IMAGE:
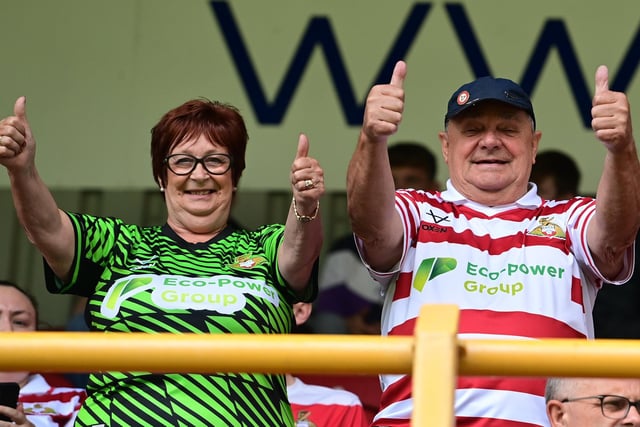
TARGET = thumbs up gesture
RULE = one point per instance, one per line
(307, 177)
(17, 147)
(384, 106)
(611, 116)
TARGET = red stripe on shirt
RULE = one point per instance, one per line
(432, 233)
(527, 385)
(514, 323)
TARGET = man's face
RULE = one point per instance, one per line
(489, 149)
(588, 412)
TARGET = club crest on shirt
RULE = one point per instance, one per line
(247, 261)
(547, 228)
(303, 419)
(38, 409)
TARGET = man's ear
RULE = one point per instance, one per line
(555, 413)
(444, 145)
(536, 141)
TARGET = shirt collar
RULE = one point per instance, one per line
(530, 200)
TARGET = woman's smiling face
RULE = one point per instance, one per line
(199, 202)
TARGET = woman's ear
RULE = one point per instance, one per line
(301, 312)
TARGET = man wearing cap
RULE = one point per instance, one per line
(518, 267)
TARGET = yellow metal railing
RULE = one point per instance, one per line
(434, 356)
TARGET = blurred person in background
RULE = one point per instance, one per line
(556, 174)
(320, 406)
(349, 300)
(40, 404)
(593, 402)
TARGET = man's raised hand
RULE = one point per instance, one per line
(384, 107)
(611, 117)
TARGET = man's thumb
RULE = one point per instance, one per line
(399, 74)
(602, 79)
(20, 108)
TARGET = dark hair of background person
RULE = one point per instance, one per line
(561, 167)
(414, 154)
(220, 123)
(30, 297)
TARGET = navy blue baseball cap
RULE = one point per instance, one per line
(488, 88)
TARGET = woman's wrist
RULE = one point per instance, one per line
(305, 218)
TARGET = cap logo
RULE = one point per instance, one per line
(463, 97)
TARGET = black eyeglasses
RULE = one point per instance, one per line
(184, 164)
(612, 406)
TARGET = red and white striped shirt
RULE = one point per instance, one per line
(521, 271)
(320, 406)
(47, 406)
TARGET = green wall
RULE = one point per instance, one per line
(99, 74)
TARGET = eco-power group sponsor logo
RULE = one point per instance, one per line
(508, 279)
(431, 268)
(224, 294)
(481, 279)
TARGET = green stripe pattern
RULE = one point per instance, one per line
(147, 279)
